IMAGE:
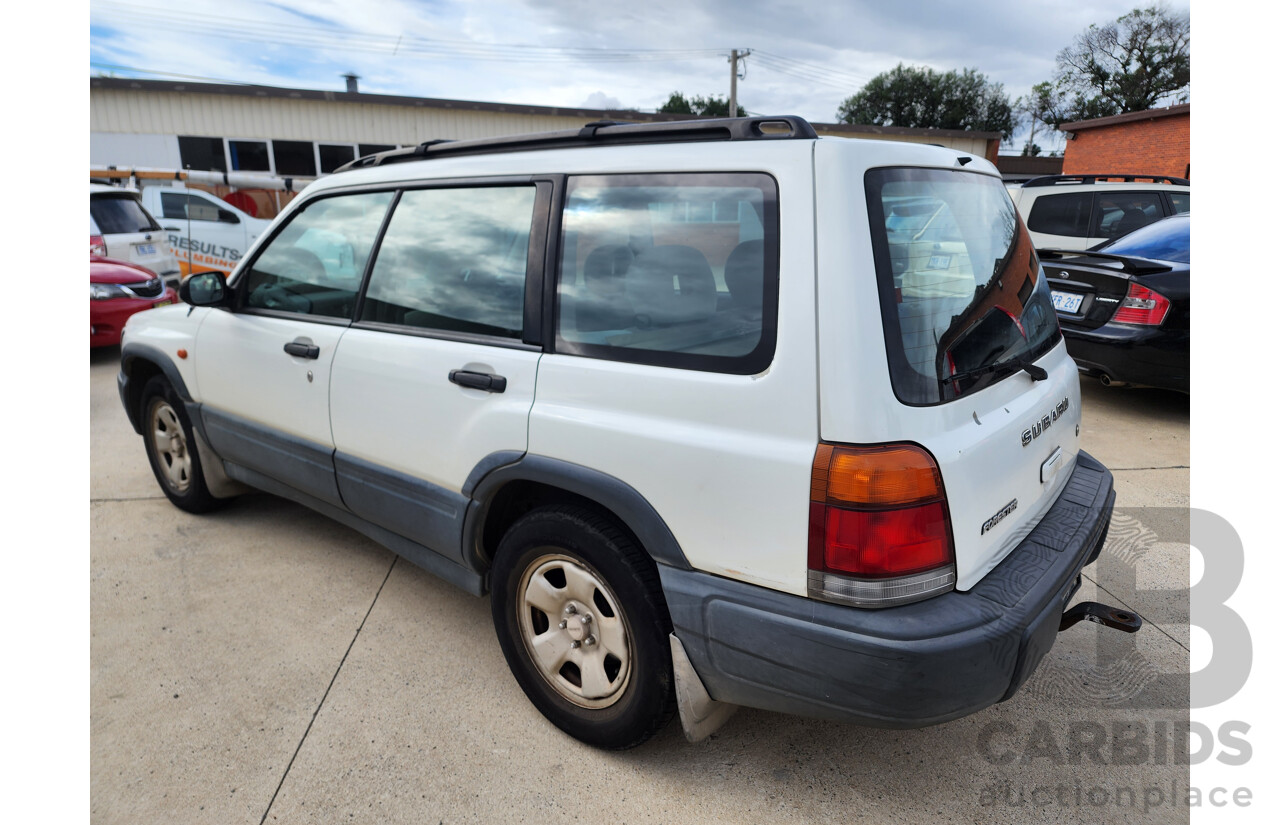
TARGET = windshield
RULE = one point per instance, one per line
(1166, 240)
(120, 214)
(960, 285)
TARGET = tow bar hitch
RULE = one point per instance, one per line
(1102, 614)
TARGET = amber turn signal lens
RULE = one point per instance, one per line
(886, 476)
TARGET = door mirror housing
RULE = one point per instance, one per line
(204, 289)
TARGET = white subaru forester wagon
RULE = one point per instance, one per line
(719, 413)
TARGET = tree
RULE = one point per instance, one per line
(711, 106)
(1129, 65)
(919, 97)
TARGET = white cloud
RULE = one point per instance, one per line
(439, 49)
(600, 100)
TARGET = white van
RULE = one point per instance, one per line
(204, 231)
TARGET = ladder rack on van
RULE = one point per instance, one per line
(604, 132)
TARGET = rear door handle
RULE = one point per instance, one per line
(302, 350)
(478, 380)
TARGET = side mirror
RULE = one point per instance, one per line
(204, 289)
(227, 216)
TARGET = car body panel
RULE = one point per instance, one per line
(1101, 221)
(132, 235)
(1155, 356)
(107, 317)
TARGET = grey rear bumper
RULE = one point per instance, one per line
(908, 666)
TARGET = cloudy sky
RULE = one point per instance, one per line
(807, 56)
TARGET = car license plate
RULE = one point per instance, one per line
(1067, 301)
(146, 249)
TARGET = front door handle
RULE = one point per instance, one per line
(478, 380)
(302, 349)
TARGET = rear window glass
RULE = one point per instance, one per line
(961, 288)
(1166, 240)
(120, 214)
(672, 270)
(1065, 214)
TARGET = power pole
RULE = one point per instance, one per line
(734, 57)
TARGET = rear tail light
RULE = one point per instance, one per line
(879, 531)
(1142, 306)
(97, 246)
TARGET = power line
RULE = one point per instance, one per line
(339, 39)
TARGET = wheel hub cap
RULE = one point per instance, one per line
(574, 631)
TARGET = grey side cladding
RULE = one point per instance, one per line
(422, 512)
(423, 557)
(301, 464)
(622, 499)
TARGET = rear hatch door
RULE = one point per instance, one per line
(129, 232)
(963, 303)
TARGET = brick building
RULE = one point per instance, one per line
(1154, 142)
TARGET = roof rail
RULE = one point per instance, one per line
(603, 133)
(1053, 180)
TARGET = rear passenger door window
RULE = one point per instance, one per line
(1180, 201)
(315, 265)
(454, 260)
(1065, 214)
(1118, 214)
(672, 270)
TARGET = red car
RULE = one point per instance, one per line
(118, 289)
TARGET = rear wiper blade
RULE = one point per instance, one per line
(1016, 364)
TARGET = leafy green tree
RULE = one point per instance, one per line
(919, 97)
(711, 106)
(1129, 65)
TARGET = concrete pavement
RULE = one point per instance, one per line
(266, 664)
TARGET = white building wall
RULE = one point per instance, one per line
(233, 116)
(153, 151)
(150, 116)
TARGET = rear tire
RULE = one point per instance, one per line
(171, 448)
(583, 624)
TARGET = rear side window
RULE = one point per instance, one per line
(454, 260)
(120, 214)
(183, 206)
(1117, 214)
(961, 289)
(672, 270)
(1180, 201)
(1065, 214)
(314, 266)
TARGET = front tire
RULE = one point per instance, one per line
(579, 612)
(171, 448)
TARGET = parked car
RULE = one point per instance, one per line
(121, 228)
(118, 290)
(1083, 211)
(1125, 309)
(204, 231)
(589, 372)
